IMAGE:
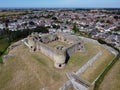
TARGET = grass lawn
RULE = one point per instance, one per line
(33, 71)
(98, 66)
(78, 59)
(112, 79)
(7, 13)
(3, 46)
(56, 43)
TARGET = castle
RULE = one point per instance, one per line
(59, 54)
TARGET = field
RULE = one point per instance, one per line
(55, 43)
(99, 65)
(33, 71)
(112, 79)
(8, 13)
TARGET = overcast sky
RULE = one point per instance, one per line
(61, 3)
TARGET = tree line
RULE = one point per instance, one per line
(17, 35)
(13, 36)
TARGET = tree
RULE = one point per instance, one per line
(116, 17)
(102, 21)
(55, 26)
(41, 29)
(24, 24)
(1, 53)
(6, 23)
(31, 23)
(17, 35)
(108, 21)
(75, 29)
(54, 18)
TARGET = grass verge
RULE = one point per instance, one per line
(4, 44)
(101, 78)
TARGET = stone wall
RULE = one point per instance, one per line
(67, 38)
(73, 48)
(38, 42)
(89, 63)
(48, 51)
(58, 56)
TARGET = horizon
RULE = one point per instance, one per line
(59, 7)
(60, 4)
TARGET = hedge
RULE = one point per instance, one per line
(101, 78)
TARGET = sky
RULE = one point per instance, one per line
(60, 3)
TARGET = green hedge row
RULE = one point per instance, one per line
(3, 53)
(101, 78)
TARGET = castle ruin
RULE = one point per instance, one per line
(59, 54)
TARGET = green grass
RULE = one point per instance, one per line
(33, 70)
(56, 43)
(107, 69)
(78, 59)
(99, 65)
(39, 70)
(8, 13)
(7, 73)
(40, 60)
(118, 75)
(4, 44)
